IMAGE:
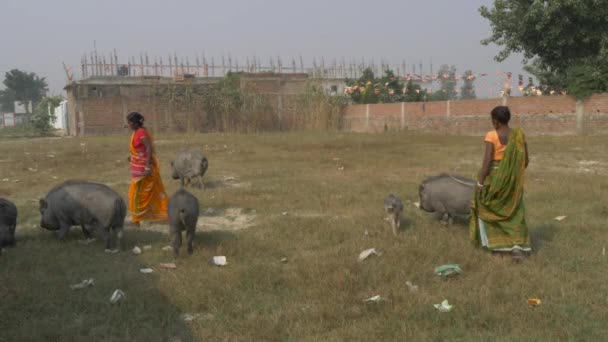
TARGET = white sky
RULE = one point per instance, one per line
(39, 35)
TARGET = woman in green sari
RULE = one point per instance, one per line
(498, 221)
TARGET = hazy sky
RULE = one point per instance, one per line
(39, 35)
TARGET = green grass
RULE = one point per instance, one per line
(317, 295)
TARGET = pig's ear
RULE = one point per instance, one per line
(43, 203)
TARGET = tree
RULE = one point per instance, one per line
(44, 117)
(23, 87)
(370, 89)
(467, 91)
(414, 92)
(564, 37)
(363, 88)
(447, 79)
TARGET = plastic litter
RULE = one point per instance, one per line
(285, 213)
(146, 270)
(448, 270)
(168, 265)
(417, 205)
(83, 284)
(444, 306)
(136, 250)
(534, 301)
(284, 260)
(167, 248)
(219, 260)
(367, 253)
(117, 296)
(411, 287)
(560, 218)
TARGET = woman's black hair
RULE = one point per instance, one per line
(501, 114)
(136, 118)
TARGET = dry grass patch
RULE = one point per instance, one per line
(331, 186)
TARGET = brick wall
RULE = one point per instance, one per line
(100, 106)
(552, 115)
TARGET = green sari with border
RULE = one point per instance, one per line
(498, 220)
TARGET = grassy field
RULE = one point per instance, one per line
(309, 197)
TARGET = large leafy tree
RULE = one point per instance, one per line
(566, 39)
(23, 87)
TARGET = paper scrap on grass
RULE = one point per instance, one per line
(219, 260)
(367, 253)
(83, 284)
(168, 265)
(191, 317)
(136, 250)
(560, 218)
(444, 306)
(417, 205)
(375, 299)
(448, 270)
(146, 270)
(117, 296)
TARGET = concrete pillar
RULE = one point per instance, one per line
(580, 110)
(402, 115)
(367, 117)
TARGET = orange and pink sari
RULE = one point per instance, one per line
(147, 197)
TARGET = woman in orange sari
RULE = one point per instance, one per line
(147, 197)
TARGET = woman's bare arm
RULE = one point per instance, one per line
(487, 161)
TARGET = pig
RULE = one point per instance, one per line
(448, 196)
(183, 215)
(189, 167)
(394, 209)
(8, 223)
(93, 206)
